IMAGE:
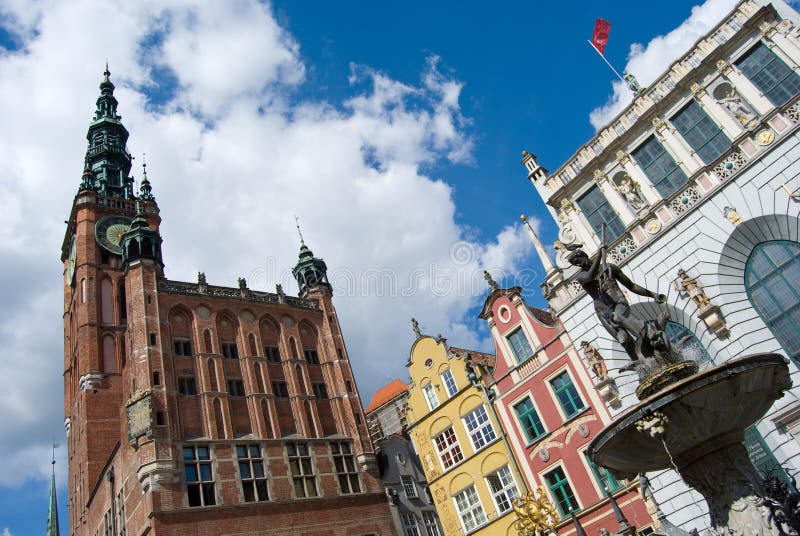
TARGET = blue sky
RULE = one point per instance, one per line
(393, 131)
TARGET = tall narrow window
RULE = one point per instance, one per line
(109, 354)
(251, 342)
(776, 80)
(606, 480)
(598, 211)
(230, 350)
(479, 427)
(562, 491)
(520, 345)
(700, 132)
(345, 464)
(409, 487)
(431, 524)
(448, 448)
(567, 395)
(251, 470)
(410, 527)
(212, 375)
(236, 387)
(659, 166)
(259, 379)
(771, 279)
(279, 389)
(106, 303)
(320, 390)
(182, 347)
(449, 382)
(199, 477)
(504, 489)
(301, 469)
(430, 396)
(470, 509)
(186, 386)
(529, 420)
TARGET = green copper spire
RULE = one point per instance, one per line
(310, 272)
(145, 190)
(107, 154)
(52, 511)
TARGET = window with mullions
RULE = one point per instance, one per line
(186, 386)
(562, 491)
(449, 382)
(409, 524)
(303, 478)
(236, 387)
(431, 525)
(320, 390)
(776, 80)
(504, 489)
(409, 487)
(771, 276)
(607, 482)
(567, 395)
(520, 345)
(199, 477)
(448, 448)
(312, 357)
(430, 396)
(183, 347)
(272, 353)
(251, 470)
(229, 350)
(598, 211)
(529, 420)
(345, 464)
(470, 509)
(659, 166)
(480, 429)
(700, 132)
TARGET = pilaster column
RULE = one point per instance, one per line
(580, 224)
(731, 127)
(679, 149)
(745, 87)
(786, 48)
(636, 173)
(619, 204)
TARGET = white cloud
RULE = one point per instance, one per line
(648, 62)
(6, 532)
(231, 160)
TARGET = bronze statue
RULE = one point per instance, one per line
(601, 281)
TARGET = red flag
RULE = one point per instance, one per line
(600, 35)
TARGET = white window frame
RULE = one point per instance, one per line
(449, 383)
(509, 490)
(479, 426)
(429, 520)
(410, 529)
(451, 449)
(473, 510)
(409, 485)
(429, 392)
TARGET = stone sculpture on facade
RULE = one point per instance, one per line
(595, 360)
(727, 96)
(630, 191)
(707, 311)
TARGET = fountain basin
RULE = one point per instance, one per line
(704, 413)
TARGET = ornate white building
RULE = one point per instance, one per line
(698, 183)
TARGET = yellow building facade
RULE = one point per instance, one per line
(472, 476)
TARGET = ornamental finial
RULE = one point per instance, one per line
(415, 327)
(490, 280)
(145, 190)
(297, 223)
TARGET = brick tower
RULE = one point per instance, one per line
(199, 409)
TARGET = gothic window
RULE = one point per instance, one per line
(259, 379)
(293, 346)
(236, 387)
(229, 350)
(529, 419)
(504, 489)
(251, 341)
(199, 475)
(345, 464)
(567, 395)
(279, 389)
(106, 303)
(186, 386)
(182, 347)
(308, 339)
(470, 509)
(220, 421)
(109, 354)
(448, 448)
(251, 470)
(701, 133)
(771, 276)
(598, 211)
(776, 80)
(449, 382)
(480, 429)
(659, 166)
(270, 335)
(320, 390)
(301, 469)
(561, 491)
(686, 343)
(520, 345)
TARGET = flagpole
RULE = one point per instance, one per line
(605, 60)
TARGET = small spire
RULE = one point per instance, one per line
(87, 179)
(106, 87)
(490, 280)
(145, 190)
(547, 262)
(297, 223)
(52, 512)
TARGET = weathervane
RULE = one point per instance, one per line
(297, 223)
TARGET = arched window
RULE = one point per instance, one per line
(207, 341)
(771, 276)
(259, 381)
(212, 375)
(109, 354)
(106, 303)
(686, 343)
(251, 340)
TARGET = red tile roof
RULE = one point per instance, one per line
(385, 394)
(487, 360)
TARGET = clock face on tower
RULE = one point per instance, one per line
(109, 230)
